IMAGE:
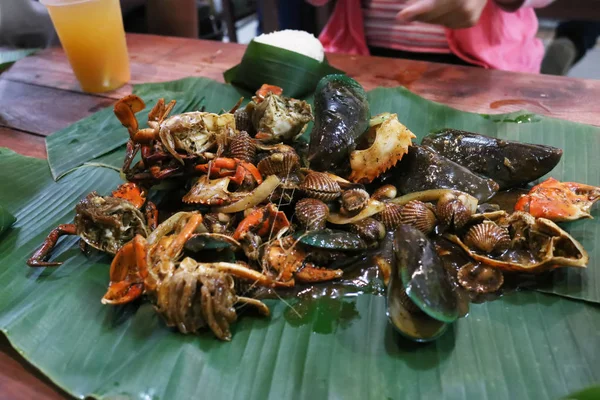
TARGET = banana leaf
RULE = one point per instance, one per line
(297, 74)
(6, 220)
(102, 133)
(525, 345)
(8, 57)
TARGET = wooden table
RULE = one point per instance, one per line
(40, 95)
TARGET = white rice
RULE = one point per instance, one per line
(297, 41)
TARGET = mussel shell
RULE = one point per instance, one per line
(280, 164)
(242, 147)
(423, 169)
(509, 163)
(416, 326)
(369, 229)
(320, 186)
(332, 240)
(488, 238)
(422, 273)
(312, 213)
(480, 278)
(209, 241)
(419, 215)
(391, 217)
(354, 200)
(341, 116)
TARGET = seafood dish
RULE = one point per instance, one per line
(221, 211)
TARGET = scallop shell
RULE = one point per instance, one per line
(419, 215)
(242, 120)
(391, 216)
(369, 229)
(452, 211)
(480, 278)
(385, 192)
(312, 214)
(242, 147)
(320, 186)
(488, 238)
(354, 200)
(280, 164)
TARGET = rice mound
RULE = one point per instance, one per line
(300, 42)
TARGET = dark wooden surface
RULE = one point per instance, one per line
(40, 95)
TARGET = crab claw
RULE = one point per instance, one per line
(132, 193)
(125, 110)
(265, 89)
(559, 201)
(127, 273)
(262, 222)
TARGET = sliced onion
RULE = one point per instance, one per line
(262, 192)
(434, 195)
(374, 207)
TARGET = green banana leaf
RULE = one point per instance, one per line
(6, 219)
(8, 57)
(524, 345)
(102, 133)
(295, 73)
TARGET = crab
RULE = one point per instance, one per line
(389, 144)
(187, 294)
(104, 223)
(236, 169)
(262, 223)
(288, 259)
(559, 201)
(192, 133)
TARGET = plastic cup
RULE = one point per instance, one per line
(92, 35)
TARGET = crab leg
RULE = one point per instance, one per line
(260, 306)
(310, 274)
(38, 258)
(151, 215)
(244, 273)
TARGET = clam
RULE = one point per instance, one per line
(385, 192)
(391, 216)
(354, 200)
(419, 215)
(480, 278)
(312, 213)
(280, 164)
(488, 238)
(320, 186)
(540, 246)
(369, 229)
(418, 279)
(453, 210)
(242, 147)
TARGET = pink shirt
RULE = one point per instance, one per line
(383, 30)
(500, 40)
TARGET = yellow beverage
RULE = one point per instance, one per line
(91, 33)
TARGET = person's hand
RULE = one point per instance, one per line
(453, 14)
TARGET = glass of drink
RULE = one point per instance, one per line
(92, 35)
